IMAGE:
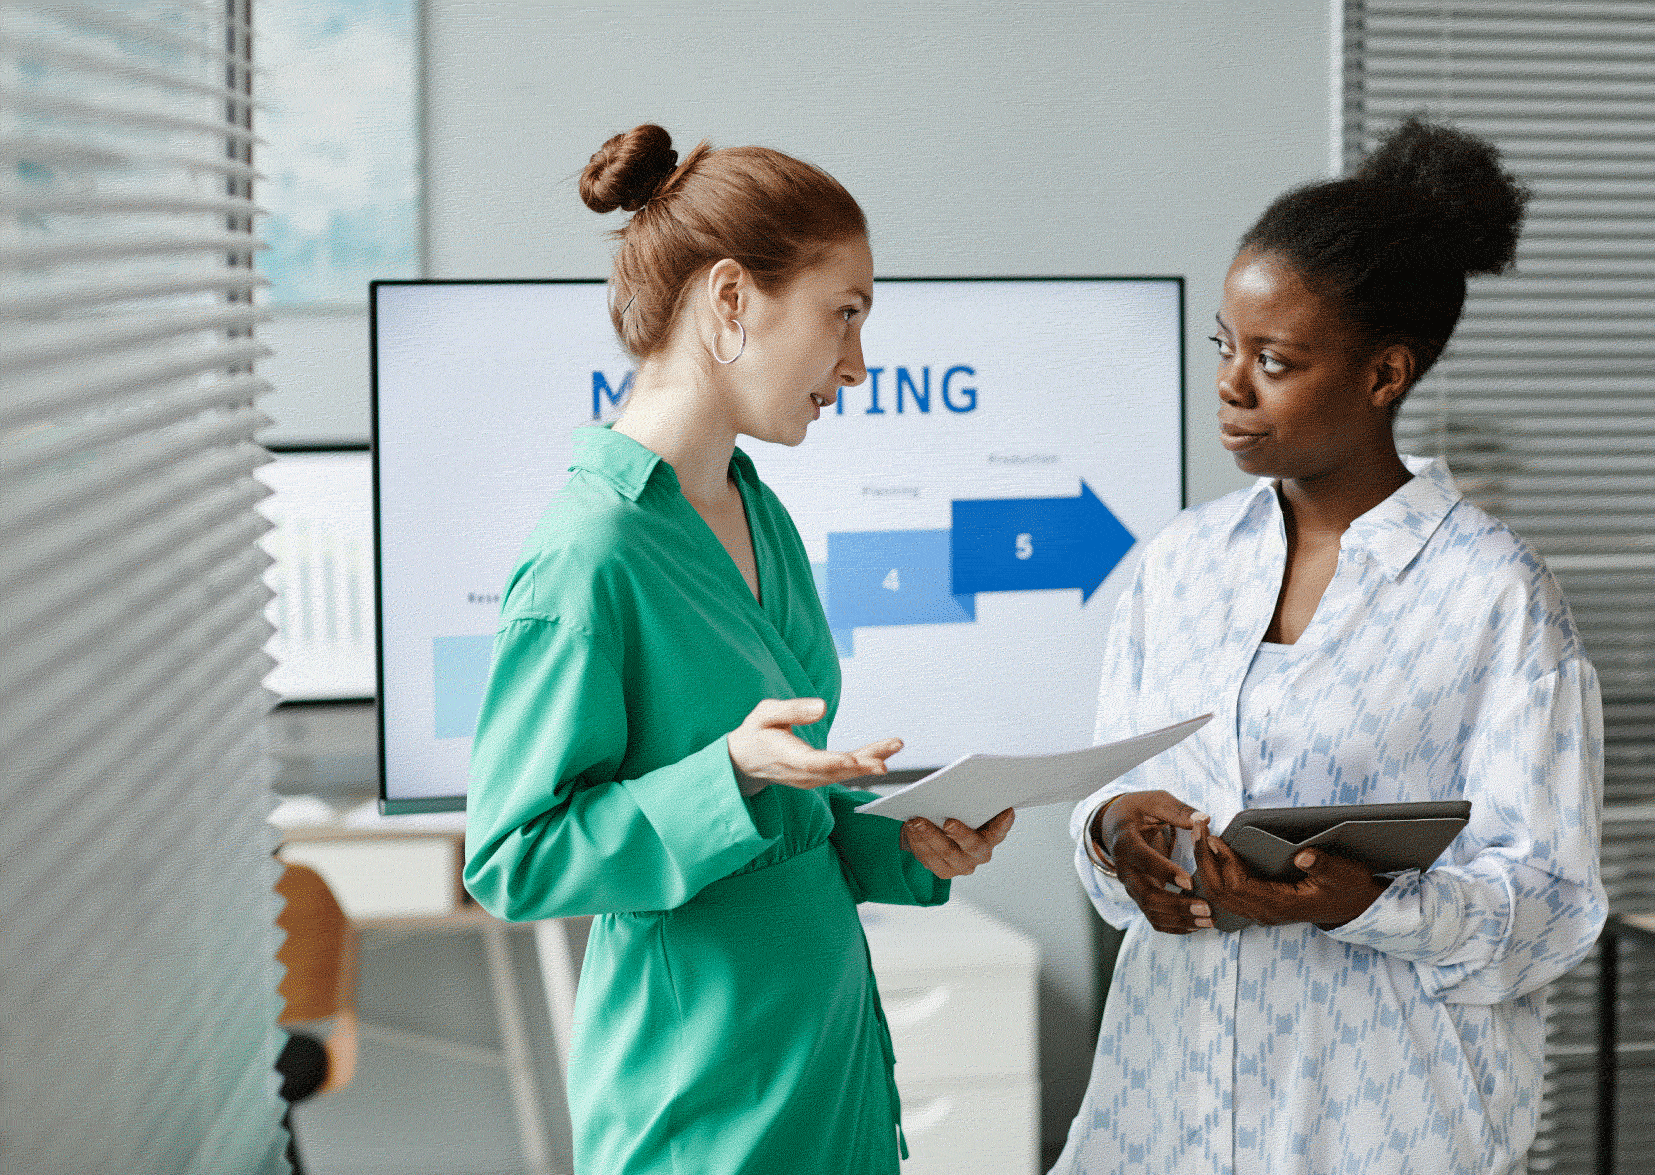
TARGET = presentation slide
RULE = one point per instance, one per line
(971, 510)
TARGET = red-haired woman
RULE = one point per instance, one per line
(663, 664)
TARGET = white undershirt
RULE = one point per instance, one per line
(1264, 689)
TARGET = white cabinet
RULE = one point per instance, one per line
(959, 994)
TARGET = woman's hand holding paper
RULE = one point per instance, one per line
(1334, 889)
(954, 850)
(1136, 832)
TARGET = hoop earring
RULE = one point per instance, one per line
(737, 355)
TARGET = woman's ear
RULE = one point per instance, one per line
(727, 285)
(1392, 374)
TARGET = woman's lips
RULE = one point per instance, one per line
(1236, 440)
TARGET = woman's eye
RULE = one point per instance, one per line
(1223, 347)
(1270, 364)
(849, 312)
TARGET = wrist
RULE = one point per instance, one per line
(1375, 892)
(1097, 840)
(748, 785)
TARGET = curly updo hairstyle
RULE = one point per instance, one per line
(773, 214)
(1393, 243)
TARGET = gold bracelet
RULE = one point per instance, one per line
(1094, 851)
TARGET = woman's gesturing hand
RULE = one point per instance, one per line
(764, 749)
(1136, 832)
(1333, 891)
(954, 850)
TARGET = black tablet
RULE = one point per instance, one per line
(1387, 838)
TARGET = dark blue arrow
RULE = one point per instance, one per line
(1034, 544)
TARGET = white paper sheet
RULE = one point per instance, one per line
(976, 788)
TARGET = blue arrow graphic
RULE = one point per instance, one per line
(1035, 544)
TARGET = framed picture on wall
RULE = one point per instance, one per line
(339, 121)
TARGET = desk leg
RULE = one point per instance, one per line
(1608, 998)
(525, 1091)
(558, 973)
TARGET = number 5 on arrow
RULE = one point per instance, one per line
(1055, 543)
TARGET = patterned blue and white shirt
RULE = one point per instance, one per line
(1440, 664)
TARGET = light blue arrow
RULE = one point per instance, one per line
(886, 577)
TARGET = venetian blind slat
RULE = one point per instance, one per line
(89, 296)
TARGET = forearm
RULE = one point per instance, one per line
(649, 843)
(1484, 932)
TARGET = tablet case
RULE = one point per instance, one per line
(1387, 838)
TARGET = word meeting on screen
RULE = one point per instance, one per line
(902, 393)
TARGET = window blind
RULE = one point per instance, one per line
(1544, 404)
(138, 970)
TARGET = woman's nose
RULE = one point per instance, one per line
(853, 369)
(1232, 389)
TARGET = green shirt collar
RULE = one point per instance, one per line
(628, 466)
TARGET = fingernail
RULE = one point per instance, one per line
(1184, 882)
(1201, 910)
(1204, 923)
(1305, 860)
(1202, 816)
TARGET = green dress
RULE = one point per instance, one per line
(727, 1019)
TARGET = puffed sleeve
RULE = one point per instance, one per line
(550, 829)
(1519, 901)
(1118, 689)
(878, 868)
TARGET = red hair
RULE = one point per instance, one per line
(771, 213)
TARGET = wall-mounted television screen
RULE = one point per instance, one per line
(971, 509)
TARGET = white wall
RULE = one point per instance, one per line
(1138, 136)
(1132, 137)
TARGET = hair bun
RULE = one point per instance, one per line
(627, 169)
(1452, 204)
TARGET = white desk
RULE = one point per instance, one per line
(398, 877)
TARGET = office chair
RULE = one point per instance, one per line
(320, 955)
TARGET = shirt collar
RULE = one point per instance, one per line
(1393, 532)
(628, 466)
(1396, 530)
(617, 458)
